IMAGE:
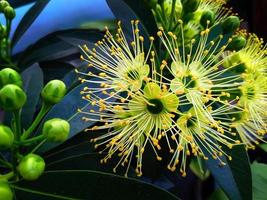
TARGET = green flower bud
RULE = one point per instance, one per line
(56, 130)
(3, 5)
(167, 5)
(9, 12)
(190, 5)
(6, 137)
(230, 24)
(151, 3)
(207, 16)
(12, 97)
(10, 76)
(237, 43)
(31, 167)
(53, 92)
(5, 191)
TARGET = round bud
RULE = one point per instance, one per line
(167, 5)
(12, 97)
(56, 130)
(230, 24)
(10, 76)
(207, 18)
(6, 137)
(9, 12)
(237, 43)
(190, 5)
(31, 167)
(53, 92)
(3, 5)
(5, 191)
(151, 3)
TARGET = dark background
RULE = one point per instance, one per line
(254, 12)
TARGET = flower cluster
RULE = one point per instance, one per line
(205, 94)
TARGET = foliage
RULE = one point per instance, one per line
(34, 121)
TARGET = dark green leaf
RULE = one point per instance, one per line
(33, 84)
(234, 174)
(127, 10)
(28, 19)
(89, 185)
(259, 177)
(58, 45)
(263, 147)
(218, 194)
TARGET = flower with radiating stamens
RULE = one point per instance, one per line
(133, 122)
(199, 137)
(251, 59)
(120, 65)
(251, 125)
(196, 73)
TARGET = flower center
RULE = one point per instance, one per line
(250, 93)
(157, 106)
(189, 82)
(133, 74)
(191, 122)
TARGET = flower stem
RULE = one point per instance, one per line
(17, 132)
(172, 14)
(5, 163)
(31, 140)
(6, 176)
(45, 108)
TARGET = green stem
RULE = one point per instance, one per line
(5, 163)
(6, 176)
(38, 146)
(31, 140)
(17, 132)
(172, 14)
(8, 28)
(45, 108)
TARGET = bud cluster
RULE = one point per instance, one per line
(29, 166)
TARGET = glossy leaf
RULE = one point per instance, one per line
(90, 185)
(259, 177)
(28, 19)
(127, 10)
(58, 45)
(234, 174)
(32, 84)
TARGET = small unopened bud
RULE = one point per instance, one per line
(10, 76)
(56, 130)
(207, 18)
(12, 97)
(190, 5)
(151, 3)
(5, 191)
(53, 92)
(230, 24)
(237, 43)
(9, 12)
(6, 137)
(3, 5)
(31, 167)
